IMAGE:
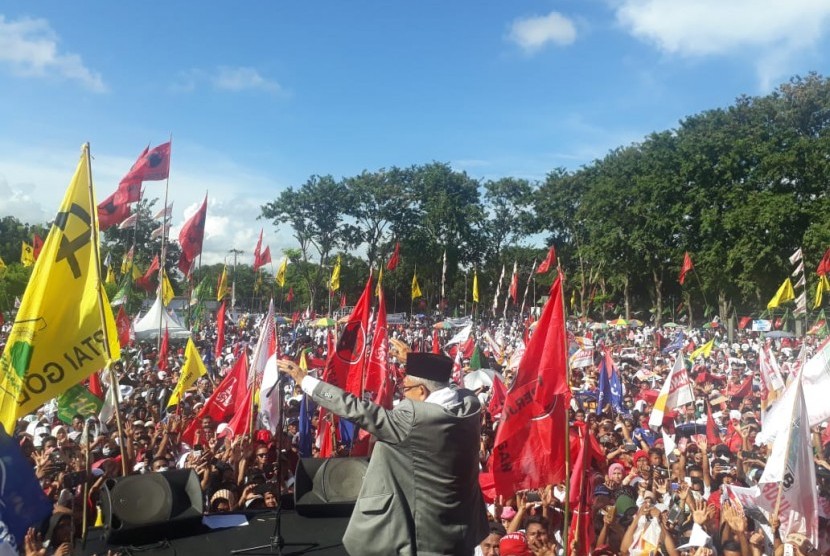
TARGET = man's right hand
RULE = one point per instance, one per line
(291, 369)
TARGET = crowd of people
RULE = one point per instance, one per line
(647, 497)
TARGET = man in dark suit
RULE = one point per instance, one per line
(420, 495)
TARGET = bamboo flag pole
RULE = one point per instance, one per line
(101, 311)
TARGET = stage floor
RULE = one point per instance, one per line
(317, 536)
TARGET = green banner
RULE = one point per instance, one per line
(78, 401)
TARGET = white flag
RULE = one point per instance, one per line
(129, 222)
(795, 257)
(165, 212)
(263, 344)
(790, 468)
(270, 396)
(461, 336)
(498, 291)
(444, 274)
(676, 391)
(798, 270)
(801, 281)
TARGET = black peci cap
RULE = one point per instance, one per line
(430, 366)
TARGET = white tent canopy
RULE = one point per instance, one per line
(147, 328)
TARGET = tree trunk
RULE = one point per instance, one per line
(627, 297)
(687, 297)
(724, 306)
(658, 297)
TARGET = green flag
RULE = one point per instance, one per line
(78, 401)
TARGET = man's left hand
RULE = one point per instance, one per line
(291, 369)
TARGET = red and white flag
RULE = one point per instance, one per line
(676, 391)
(790, 467)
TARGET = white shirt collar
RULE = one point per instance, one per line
(445, 397)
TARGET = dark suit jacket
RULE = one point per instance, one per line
(421, 493)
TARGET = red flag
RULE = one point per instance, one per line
(497, 397)
(123, 325)
(240, 423)
(144, 282)
(220, 331)
(343, 301)
(290, 297)
(37, 245)
(549, 262)
(514, 287)
(436, 345)
(824, 265)
(378, 380)
(95, 386)
(687, 267)
(587, 451)
(191, 237)
(744, 322)
(128, 192)
(535, 409)
(2, 319)
(163, 365)
(221, 405)
(345, 365)
(261, 258)
(741, 390)
(152, 165)
(712, 434)
(395, 258)
(326, 436)
(111, 213)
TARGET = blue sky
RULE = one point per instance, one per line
(260, 95)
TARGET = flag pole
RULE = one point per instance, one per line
(101, 312)
(163, 256)
(565, 525)
(787, 451)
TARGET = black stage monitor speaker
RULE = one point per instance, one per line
(138, 509)
(328, 487)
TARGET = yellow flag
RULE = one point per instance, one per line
(416, 289)
(823, 286)
(703, 350)
(475, 286)
(192, 369)
(280, 277)
(136, 273)
(222, 288)
(167, 293)
(785, 293)
(334, 284)
(58, 338)
(573, 299)
(379, 287)
(2, 267)
(27, 255)
(110, 276)
(303, 361)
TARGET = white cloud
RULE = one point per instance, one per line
(29, 47)
(532, 33)
(225, 78)
(771, 31)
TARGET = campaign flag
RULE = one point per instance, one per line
(345, 363)
(95, 387)
(687, 267)
(513, 291)
(78, 401)
(498, 393)
(527, 451)
(164, 351)
(111, 213)
(587, 456)
(549, 261)
(676, 391)
(37, 245)
(222, 287)
(152, 165)
(265, 346)
(822, 286)
(241, 418)
(271, 396)
(712, 432)
(191, 238)
(395, 258)
(192, 368)
(443, 273)
(145, 281)
(416, 289)
(164, 213)
(824, 265)
(498, 291)
(27, 255)
(610, 385)
(220, 331)
(436, 344)
(225, 400)
(796, 257)
(22, 501)
(280, 276)
(475, 286)
(259, 254)
(124, 325)
(58, 337)
(167, 293)
(290, 296)
(705, 350)
(790, 468)
(676, 343)
(785, 293)
(377, 367)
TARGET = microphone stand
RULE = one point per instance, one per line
(277, 542)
